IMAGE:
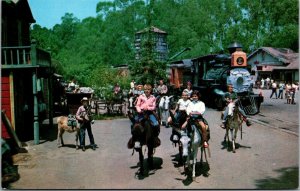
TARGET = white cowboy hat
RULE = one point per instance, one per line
(84, 99)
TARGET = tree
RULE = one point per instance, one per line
(79, 48)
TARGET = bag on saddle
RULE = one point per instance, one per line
(72, 122)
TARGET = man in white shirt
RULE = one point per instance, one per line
(274, 90)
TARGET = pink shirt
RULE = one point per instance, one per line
(80, 112)
(144, 103)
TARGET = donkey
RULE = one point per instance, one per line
(67, 124)
(163, 108)
(176, 132)
(190, 146)
(143, 134)
(233, 123)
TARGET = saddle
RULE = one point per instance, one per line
(142, 121)
(200, 118)
(72, 122)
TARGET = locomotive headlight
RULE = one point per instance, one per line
(240, 81)
(240, 60)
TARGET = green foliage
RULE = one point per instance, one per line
(88, 49)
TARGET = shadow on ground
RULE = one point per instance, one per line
(288, 179)
(157, 164)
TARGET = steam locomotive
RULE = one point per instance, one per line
(210, 74)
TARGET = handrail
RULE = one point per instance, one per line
(24, 56)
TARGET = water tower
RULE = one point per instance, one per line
(151, 41)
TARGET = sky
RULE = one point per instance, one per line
(48, 13)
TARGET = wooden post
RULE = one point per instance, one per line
(33, 53)
(50, 94)
(35, 110)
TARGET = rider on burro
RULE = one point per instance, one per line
(147, 102)
(197, 107)
(231, 96)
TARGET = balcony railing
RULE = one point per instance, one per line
(24, 56)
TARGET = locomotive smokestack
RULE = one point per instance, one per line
(235, 46)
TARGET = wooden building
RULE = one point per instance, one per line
(280, 64)
(180, 72)
(26, 73)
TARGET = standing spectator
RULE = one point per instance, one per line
(293, 92)
(162, 89)
(268, 83)
(155, 90)
(288, 96)
(117, 88)
(262, 83)
(281, 88)
(140, 90)
(132, 85)
(274, 90)
(188, 90)
(84, 120)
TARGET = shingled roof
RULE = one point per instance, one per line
(284, 55)
(288, 57)
(152, 29)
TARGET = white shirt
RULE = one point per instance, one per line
(274, 85)
(198, 106)
(182, 105)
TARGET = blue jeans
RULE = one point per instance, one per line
(83, 127)
(140, 116)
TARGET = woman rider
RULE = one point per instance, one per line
(197, 107)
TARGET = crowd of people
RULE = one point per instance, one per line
(147, 98)
(280, 89)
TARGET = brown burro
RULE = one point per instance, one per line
(68, 124)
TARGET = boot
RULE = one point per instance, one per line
(204, 136)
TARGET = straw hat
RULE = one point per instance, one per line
(84, 99)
